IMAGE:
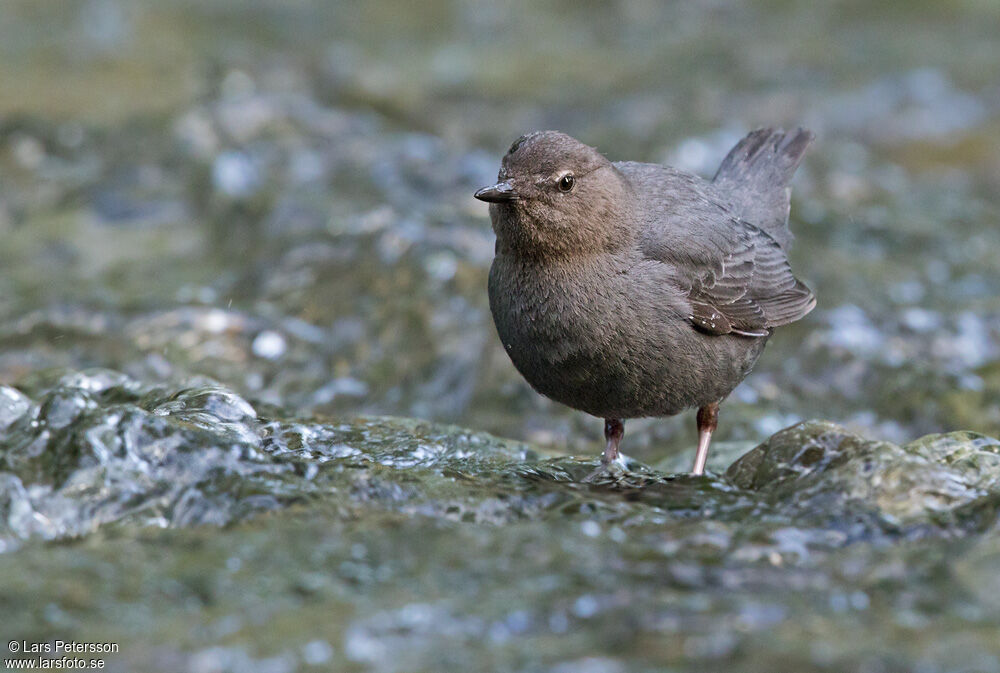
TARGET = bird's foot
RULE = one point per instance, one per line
(613, 468)
(601, 469)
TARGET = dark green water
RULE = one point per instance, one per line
(240, 255)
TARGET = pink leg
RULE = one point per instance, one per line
(614, 430)
(708, 421)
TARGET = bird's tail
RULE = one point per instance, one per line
(755, 174)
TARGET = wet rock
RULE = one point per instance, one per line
(921, 481)
(412, 538)
(85, 449)
(90, 448)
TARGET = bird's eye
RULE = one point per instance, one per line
(566, 182)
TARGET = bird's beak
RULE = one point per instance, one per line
(501, 192)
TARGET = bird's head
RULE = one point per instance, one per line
(556, 196)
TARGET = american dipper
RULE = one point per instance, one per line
(626, 289)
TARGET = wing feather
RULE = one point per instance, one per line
(735, 275)
(750, 291)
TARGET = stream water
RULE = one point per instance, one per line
(252, 402)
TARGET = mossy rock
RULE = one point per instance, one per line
(814, 459)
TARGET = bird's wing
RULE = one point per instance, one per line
(735, 275)
(747, 288)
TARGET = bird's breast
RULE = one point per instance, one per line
(549, 312)
(609, 337)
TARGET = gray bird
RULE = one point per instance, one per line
(627, 290)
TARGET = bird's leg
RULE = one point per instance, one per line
(708, 421)
(614, 430)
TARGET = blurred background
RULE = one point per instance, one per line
(278, 194)
(228, 228)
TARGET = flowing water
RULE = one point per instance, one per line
(251, 399)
